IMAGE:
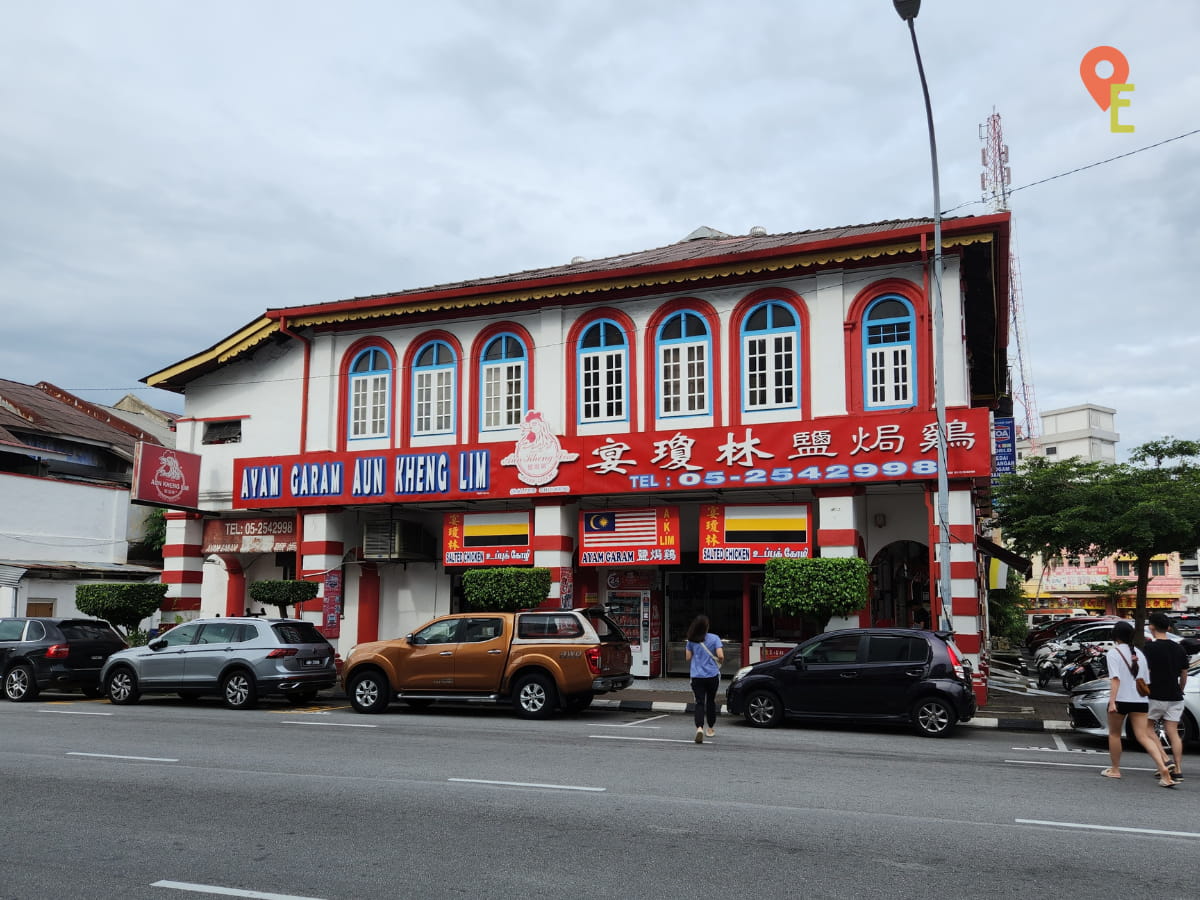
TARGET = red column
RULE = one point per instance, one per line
(368, 604)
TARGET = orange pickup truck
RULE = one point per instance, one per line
(539, 661)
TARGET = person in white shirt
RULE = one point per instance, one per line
(1126, 667)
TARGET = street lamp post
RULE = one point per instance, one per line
(908, 10)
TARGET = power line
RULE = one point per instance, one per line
(1102, 162)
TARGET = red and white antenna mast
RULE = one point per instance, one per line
(994, 182)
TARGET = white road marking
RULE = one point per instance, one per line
(529, 784)
(115, 756)
(1059, 742)
(1064, 749)
(651, 719)
(332, 724)
(1190, 834)
(71, 712)
(227, 892)
(615, 737)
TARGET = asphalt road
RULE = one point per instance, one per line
(171, 800)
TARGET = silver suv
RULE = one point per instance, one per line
(239, 659)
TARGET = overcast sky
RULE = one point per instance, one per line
(170, 170)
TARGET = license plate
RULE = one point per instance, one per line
(315, 661)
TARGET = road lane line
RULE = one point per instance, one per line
(620, 737)
(73, 712)
(333, 724)
(227, 892)
(115, 756)
(1039, 762)
(529, 784)
(1189, 834)
(1059, 742)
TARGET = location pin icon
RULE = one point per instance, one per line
(1100, 88)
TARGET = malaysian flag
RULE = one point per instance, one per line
(620, 528)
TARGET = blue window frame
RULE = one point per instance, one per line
(889, 354)
(771, 358)
(683, 348)
(370, 391)
(434, 377)
(503, 373)
(603, 380)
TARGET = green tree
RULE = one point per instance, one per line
(282, 594)
(1007, 609)
(123, 605)
(1113, 590)
(506, 588)
(816, 589)
(1144, 508)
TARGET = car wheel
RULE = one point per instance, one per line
(535, 697)
(20, 684)
(301, 698)
(933, 717)
(238, 690)
(1189, 730)
(763, 709)
(122, 687)
(370, 691)
(92, 691)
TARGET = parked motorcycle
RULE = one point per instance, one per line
(1090, 663)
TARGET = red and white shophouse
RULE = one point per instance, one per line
(652, 426)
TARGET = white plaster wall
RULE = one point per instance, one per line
(410, 596)
(47, 521)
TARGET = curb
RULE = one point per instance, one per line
(1000, 724)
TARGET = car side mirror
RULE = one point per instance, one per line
(799, 662)
(158, 644)
(415, 641)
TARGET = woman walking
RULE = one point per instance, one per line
(1127, 666)
(705, 654)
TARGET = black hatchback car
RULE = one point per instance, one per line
(861, 675)
(39, 653)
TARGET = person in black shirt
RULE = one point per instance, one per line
(1168, 674)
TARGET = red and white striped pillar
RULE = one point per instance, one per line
(964, 609)
(841, 512)
(183, 564)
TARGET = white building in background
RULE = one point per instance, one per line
(1086, 431)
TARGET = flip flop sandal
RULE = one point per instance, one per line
(1108, 773)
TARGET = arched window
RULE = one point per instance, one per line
(502, 382)
(683, 349)
(603, 362)
(433, 389)
(889, 354)
(771, 358)
(370, 392)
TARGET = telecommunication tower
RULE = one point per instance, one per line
(994, 181)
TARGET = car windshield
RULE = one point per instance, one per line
(87, 631)
(297, 633)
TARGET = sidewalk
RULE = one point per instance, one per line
(1010, 706)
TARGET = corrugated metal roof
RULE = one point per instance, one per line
(29, 409)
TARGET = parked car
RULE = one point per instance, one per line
(1088, 707)
(538, 661)
(861, 675)
(1186, 625)
(37, 653)
(238, 659)
(1053, 630)
(1096, 633)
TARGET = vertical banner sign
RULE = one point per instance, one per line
(331, 605)
(629, 537)
(753, 534)
(487, 539)
(566, 588)
(1004, 441)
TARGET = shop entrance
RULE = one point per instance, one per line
(716, 594)
(900, 585)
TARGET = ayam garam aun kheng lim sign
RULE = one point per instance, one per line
(899, 446)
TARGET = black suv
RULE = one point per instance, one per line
(864, 675)
(41, 653)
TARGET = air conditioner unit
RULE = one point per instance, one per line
(397, 539)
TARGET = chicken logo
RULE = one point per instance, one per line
(169, 480)
(537, 452)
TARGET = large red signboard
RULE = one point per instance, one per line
(874, 447)
(165, 477)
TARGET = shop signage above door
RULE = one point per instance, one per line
(629, 537)
(487, 539)
(276, 534)
(853, 449)
(753, 534)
